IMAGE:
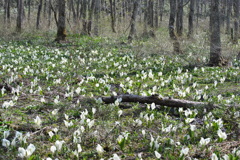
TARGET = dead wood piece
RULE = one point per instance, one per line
(166, 101)
(6, 87)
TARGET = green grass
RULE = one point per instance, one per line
(70, 77)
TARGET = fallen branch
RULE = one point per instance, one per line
(166, 101)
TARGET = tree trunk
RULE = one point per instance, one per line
(156, 17)
(132, 33)
(190, 18)
(29, 10)
(90, 17)
(19, 15)
(236, 21)
(176, 44)
(61, 26)
(165, 101)
(78, 8)
(84, 17)
(73, 11)
(96, 17)
(161, 2)
(179, 18)
(49, 13)
(229, 11)
(113, 15)
(215, 40)
(39, 14)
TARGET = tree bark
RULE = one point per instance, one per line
(132, 33)
(19, 15)
(179, 103)
(215, 40)
(190, 18)
(84, 17)
(61, 26)
(229, 10)
(176, 44)
(236, 21)
(96, 17)
(179, 18)
(90, 17)
(113, 15)
(39, 14)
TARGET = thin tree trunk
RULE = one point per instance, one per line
(229, 10)
(156, 14)
(29, 10)
(190, 18)
(179, 19)
(215, 40)
(132, 33)
(90, 18)
(49, 13)
(96, 17)
(84, 17)
(113, 15)
(176, 44)
(19, 15)
(39, 14)
(236, 21)
(61, 30)
(161, 2)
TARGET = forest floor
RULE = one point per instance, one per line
(51, 97)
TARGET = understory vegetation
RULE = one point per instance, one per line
(51, 107)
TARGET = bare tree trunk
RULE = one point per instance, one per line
(229, 10)
(78, 8)
(156, 14)
(84, 17)
(113, 15)
(73, 11)
(197, 14)
(61, 26)
(215, 40)
(39, 14)
(190, 18)
(161, 2)
(90, 17)
(19, 15)
(49, 13)
(176, 44)
(29, 10)
(236, 21)
(179, 19)
(132, 33)
(96, 17)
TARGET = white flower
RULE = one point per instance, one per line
(6, 134)
(226, 157)
(55, 111)
(79, 148)
(38, 121)
(68, 124)
(5, 143)
(221, 134)
(192, 127)
(91, 123)
(214, 157)
(50, 133)
(21, 152)
(120, 113)
(143, 132)
(153, 106)
(48, 158)
(30, 149)
(116, 157)
(59, 144)
(53, 149)
(26, 152)
(184, 151)
(66, 116)
(158, 155)
(94, 110)
(204, 142)
(99, 149)
(189, 120)
(120, 138)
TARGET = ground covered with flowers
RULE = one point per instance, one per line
(51, 107)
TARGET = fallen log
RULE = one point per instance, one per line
(163, 101)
